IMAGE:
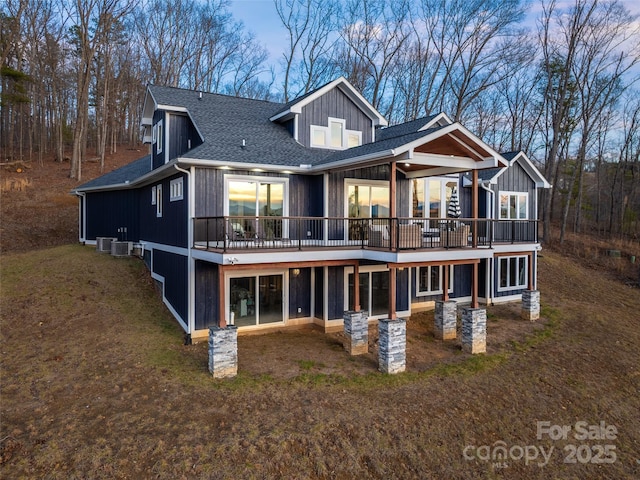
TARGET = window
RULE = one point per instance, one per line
(158, 200)
(159, 138)
(335, 135)
(367, 200)
(153, 195)
(252, 197)
(513, 205)
(175, 190)
(257, 299)
(373, 291)
(429, 280)
(512, 273)
(430, 197)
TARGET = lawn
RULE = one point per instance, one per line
(96, 383)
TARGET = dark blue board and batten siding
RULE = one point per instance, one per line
(172, 227)
(305, 191)
(175, 270)
(207, 294)
(515, 179)
(109, 211)
(337, 105)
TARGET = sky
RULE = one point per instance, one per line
(261, 19)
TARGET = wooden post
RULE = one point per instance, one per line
(474, 287)
(356, 287)
(392, 293)
(222, 320)
(393, 224)
(474, 212)
(445, 282)
(530, 260)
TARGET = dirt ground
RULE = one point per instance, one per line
(95, 381)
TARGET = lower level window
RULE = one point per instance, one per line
(429, 279)
(512, 272)
(256, 300)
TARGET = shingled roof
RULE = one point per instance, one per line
(120, 176)
(226, 121)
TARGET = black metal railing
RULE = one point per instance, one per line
(234, 233)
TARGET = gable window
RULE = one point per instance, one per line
(335, 136)
(158, 200)
(512, 273)
(159, 138)
(514, 205)
(176, 192)
(429, 280)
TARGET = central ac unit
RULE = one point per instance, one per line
(103, 244)
(121, 249)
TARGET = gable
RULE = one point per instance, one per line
(335, 104)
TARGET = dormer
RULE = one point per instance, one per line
(335, 117)
(167, 123)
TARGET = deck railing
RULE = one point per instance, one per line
(312, 233)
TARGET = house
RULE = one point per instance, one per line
(270, 215)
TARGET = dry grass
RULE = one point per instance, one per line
(97, 384)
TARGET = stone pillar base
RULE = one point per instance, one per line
(392, 353)
(356, 332)
(531, 305)
(474, 330)
(445, 320)
(223, 351)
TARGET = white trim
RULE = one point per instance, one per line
(428, 293)
(507, 298)
(326, 130)
(348, 90)
(159, 137)
(284, 272)
(165, 248)
(176, 189)
(518, 286)
(258, 180)
(368, 269)
(159, 201)
(517, 195)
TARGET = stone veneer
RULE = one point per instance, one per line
(531, 305)
(392, 353)
(223, 351)
(474, 330)
(356, 332)
(445, 320)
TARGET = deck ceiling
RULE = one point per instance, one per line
(454, 143)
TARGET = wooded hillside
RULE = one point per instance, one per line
(559, 82)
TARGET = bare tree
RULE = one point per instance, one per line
(374, 33)
(311, 31)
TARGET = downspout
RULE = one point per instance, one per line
(490, 266)
(191, 267)
(82, 218)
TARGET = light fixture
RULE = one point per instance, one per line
(295, 272)
(407, 164)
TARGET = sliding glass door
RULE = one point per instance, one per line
(256, 300)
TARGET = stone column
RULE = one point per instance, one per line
(474, 330)
(223, 351)
(392, 353)
(445, 320)
(356, 332)
(531, 305)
